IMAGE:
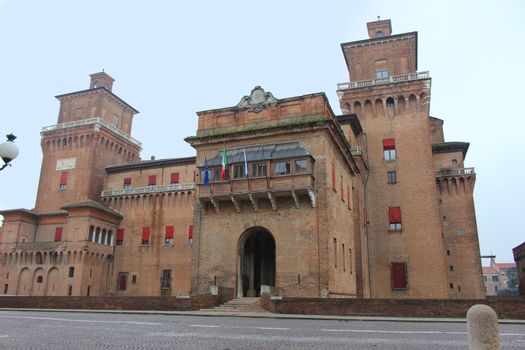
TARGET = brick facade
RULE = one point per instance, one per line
(369, 204)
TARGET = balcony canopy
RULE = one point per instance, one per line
(259, 153)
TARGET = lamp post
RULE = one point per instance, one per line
(8, 150)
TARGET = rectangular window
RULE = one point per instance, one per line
(344, 257)
(394, 218)
(58, 234)
(495, 278)
(342, 192)
(127, 183)
(391, 177)
(6, 287)
(350, 260)
(133, 278)
(145, 235)
(348, 197)
(71, 271)
(381, 74)
(190, 232)
(63, 180)
(333, 177)
(301, 166)
(122, 281)
(238, 171)
(454, 163)
(174, 178)
(120, 236)
(335, 253)
(259, 169)
(168, 238)
(389, 149)
(165, 279)
(399, 275)
(152, 180)
(282, 168)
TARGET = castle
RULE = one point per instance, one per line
(283, 196)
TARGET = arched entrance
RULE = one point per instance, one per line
(256, 262)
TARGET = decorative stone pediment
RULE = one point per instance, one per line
(257, 100)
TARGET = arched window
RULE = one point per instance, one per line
(390, 102)
(379, 34)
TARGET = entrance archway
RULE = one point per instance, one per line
(256, 262)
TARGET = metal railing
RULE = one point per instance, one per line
(455, 172)
(148, 189)
(389, 80)
(92, 121)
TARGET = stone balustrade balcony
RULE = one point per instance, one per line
(131, 191)
(457, 172)
(358, 84)
(97, 124)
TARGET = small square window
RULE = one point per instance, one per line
(381, 74)
(238, 171)
(71, 271)
(301, 166)
(259, 170)
(282, 168)
(389, 154)
(391, 177)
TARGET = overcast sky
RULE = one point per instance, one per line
(171, 59)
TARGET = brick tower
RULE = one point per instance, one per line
(409, 256)
(93, 131)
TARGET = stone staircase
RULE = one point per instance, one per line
(248, 304)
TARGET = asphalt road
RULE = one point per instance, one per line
(69, 330)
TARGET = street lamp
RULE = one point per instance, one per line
(8, 150)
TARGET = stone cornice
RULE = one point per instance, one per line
(94, 91)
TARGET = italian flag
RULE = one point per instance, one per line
(223, 166)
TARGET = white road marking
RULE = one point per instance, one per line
(272, 328)
(390, 332)
(204, 326)
(73, 320)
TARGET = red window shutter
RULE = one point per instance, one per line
(127, 181)
(394, 215)
(348, 196)
(145, 235)
(190, 232)
(63, 178)
(333, 176)
(120, 235)
(58, 234)
(174, 178)
(389, 144)
(152, 180)
(399, 275)
(122, 283)
(169, 232)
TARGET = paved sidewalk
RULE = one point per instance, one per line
(267, 314)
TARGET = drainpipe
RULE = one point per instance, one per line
(366, 223)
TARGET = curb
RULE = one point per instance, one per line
(265, 315)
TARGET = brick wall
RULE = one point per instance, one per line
(112, 303)
(506, 308)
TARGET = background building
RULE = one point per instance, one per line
(370, 203)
